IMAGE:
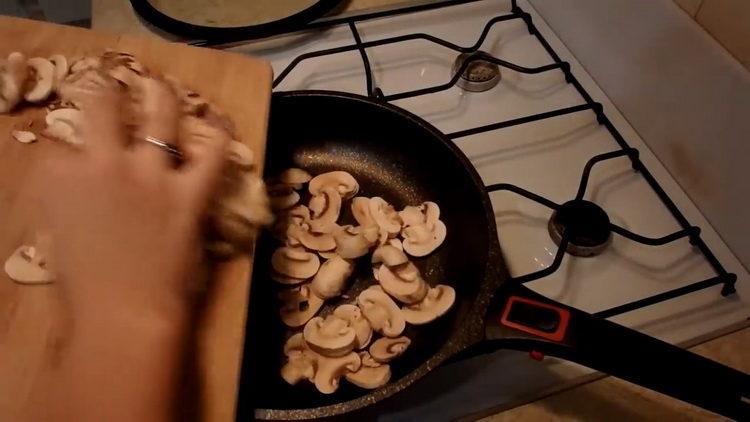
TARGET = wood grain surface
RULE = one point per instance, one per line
(32, 318)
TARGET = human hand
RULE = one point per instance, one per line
(126, 223)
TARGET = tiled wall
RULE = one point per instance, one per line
(727, 20)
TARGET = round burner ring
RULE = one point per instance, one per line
(586, 224)
(480, 75)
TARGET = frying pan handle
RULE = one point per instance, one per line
(534, 323)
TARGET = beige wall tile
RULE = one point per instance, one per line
(690, 6)
(729, 22)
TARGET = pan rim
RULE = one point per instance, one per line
(474, 320)
(178, 27)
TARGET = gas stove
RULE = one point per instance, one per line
(556, 155)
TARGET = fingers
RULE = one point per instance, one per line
(101, 127)
(159, 118)
(204, 147)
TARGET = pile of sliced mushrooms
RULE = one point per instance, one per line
(356, 340)
(57, 82)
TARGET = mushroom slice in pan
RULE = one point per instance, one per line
(331, 369)
(295, 262)
(362, 328)
(351, 242)
(342, 181)
(310, 239)
(297, 215)
(385, 216)
(438, 301)
(43, 80)
(403, 283)
(421, 240)
(301, 361)
(298, 306)
(330, 280)
(371, 374)
(389, 255)
(361, 211)
(295, 177)
(381, 311)
(332, 336)
(282, 197)
(325, 208)
(427, 213)
(411, 216)
(386, 349)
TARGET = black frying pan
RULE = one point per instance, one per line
(402, 158)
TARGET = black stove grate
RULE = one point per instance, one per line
(726, 279)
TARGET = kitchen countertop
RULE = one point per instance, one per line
(597, 400)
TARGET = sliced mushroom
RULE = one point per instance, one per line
(240, 155)
(438, 301)
(42, 81)
(298, 306)
(327, 254)
(431, 212)
(283, 197)
(75, 87)
(295, 262)
(396, 243)
(386, 349)
(371, 374)
(249, 206)
(411, 216)
(420, 240)
(361, 326)
(64, 124)
(285, 279)
(361, 211)
(389, 255)
(330, 370)
(342, 181)
(297, 215)
(83, 63)
(403, 282)
(385, 216)
(295, 177)
(332, 336)
(427, 213)
(13, 75)
(61, 67)
(330, 280)
(381, 311)
(351, 242)
(325, 207)
(310, 239)
(301, 361)
(27, 265)
(23, 136)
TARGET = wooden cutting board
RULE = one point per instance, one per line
(32, 324)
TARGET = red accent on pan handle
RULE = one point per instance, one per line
(533, 317)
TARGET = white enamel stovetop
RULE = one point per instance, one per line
(545, 157)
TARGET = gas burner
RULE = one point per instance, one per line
(480, 75)
(586, 224)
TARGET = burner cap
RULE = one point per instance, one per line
(586, 224)
(480, 75)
